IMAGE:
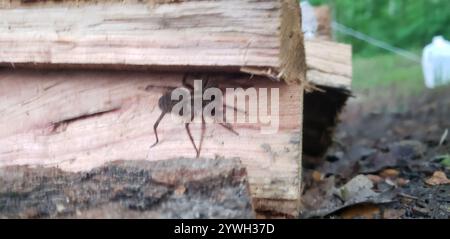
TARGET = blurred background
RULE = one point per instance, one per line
(388, 38)
(395, 130)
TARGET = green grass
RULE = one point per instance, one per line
(387, 71)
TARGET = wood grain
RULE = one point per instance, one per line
(78, 120)
(219, 35)
(329, 64)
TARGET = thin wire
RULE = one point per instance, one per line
(361, 36)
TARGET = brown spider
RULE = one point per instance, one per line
(166, 104)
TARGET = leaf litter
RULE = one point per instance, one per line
(385, 164)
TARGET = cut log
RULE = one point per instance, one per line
(329, 64)
(174, 189)
(330, 69)
(79, 120)
(258, 37)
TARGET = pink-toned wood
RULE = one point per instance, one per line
(78, 120)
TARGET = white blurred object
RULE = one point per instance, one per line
(436, 62)
(309, 21)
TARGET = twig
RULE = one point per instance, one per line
(443, 138)
(408, 196)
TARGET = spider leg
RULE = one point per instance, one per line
(202, 135)
(225, 106)
(191, 138)
(155, 127)
(185, 84)
(229, 128)
(206, 83)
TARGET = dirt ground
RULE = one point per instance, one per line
(390, 159)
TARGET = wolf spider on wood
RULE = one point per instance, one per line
(166, 105)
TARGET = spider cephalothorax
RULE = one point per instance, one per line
(166, 105)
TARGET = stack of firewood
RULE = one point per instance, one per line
(79, 88)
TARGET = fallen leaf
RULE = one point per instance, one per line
(438, 178)
(324, 199)
(317, 176)
(319, 194)
(377, 162)
(375, 178)
(421, 211)
(408, 149)
(363, 211)
(357, 189)
(348, 166)
(389, 173)
(393, 213)
(390, 182)
(402, 182)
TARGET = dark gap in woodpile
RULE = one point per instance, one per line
(321, 114)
